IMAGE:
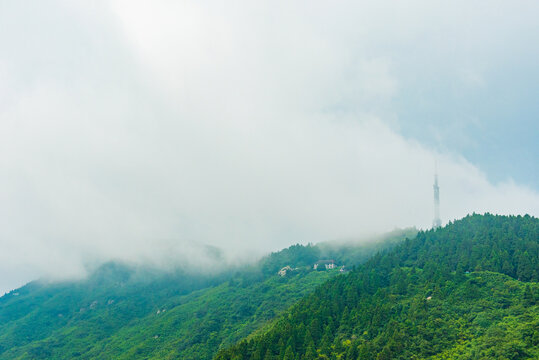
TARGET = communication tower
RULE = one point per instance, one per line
(436, 223)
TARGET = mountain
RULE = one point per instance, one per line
(465, 291)
(127, 312)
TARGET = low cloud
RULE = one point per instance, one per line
(177, 124)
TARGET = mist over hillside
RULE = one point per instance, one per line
(131, 130)
(466, 291)
(269, 180)
(449, 291)
(137, 311)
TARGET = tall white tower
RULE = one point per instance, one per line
(436, 223)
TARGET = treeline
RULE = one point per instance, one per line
(345, 252)
(129, 312)
(449, 293)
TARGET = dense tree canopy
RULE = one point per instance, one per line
(468, 290)
(139, 313)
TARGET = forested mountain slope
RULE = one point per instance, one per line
(465, 291)
(137, 313)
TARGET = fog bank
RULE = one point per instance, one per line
(138, 132)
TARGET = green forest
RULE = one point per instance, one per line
(126, 312)
(465, 291)
(468, 290)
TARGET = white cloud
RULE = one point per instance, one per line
(246, 127)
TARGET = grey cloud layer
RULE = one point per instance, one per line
(133, 131)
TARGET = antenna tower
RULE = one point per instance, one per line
(436, 223)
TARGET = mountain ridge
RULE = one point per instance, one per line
(397, 304)
(129, 307)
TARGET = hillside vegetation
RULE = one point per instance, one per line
(465, 291)
(121, 312)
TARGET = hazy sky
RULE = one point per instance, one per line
(134, 129)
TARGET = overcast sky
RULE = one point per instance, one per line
(133, 130)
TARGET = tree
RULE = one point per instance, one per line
(289, 354)
(529, 297)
